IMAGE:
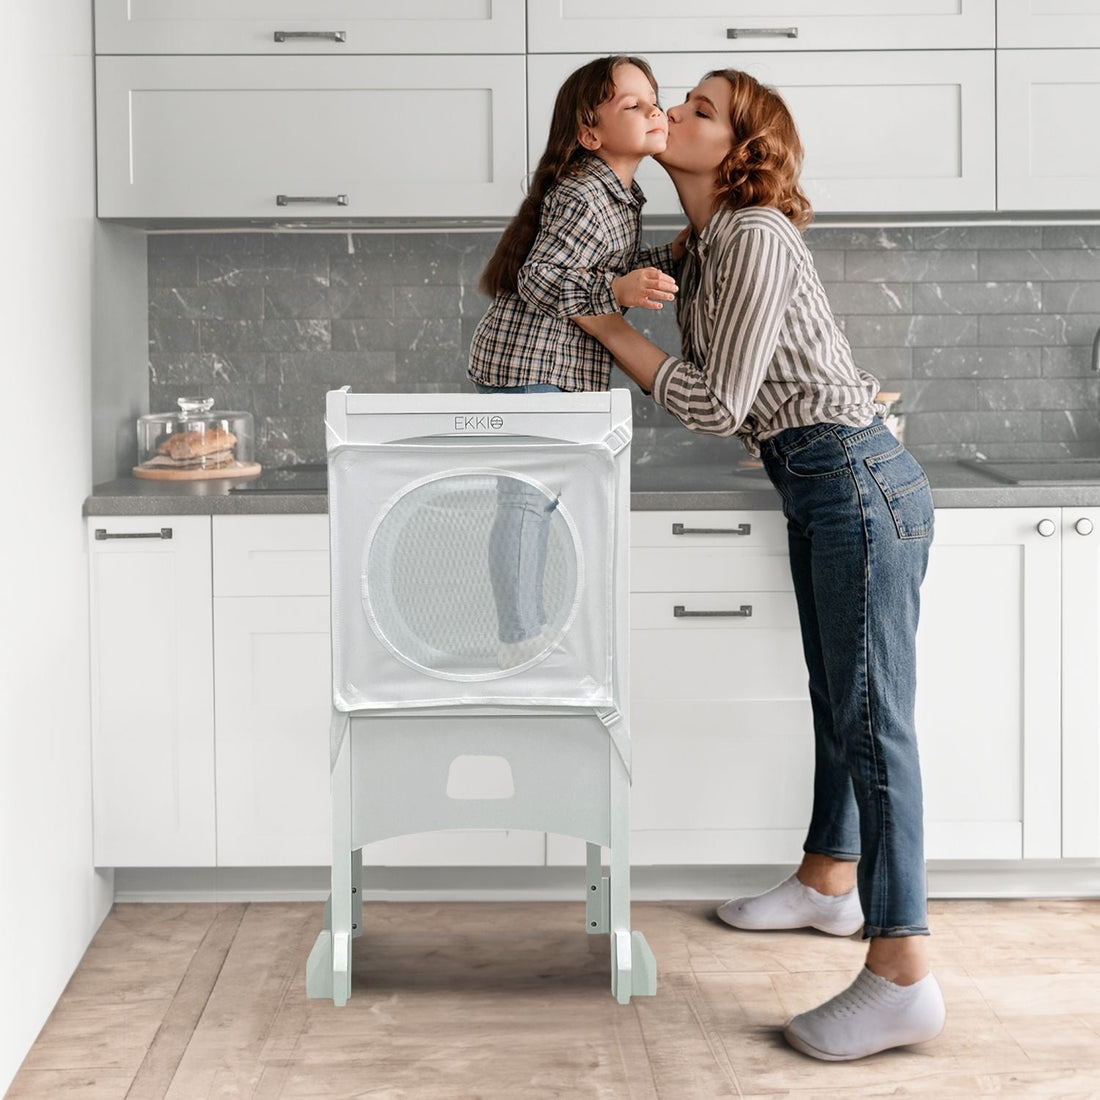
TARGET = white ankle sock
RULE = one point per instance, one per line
(792, 904)
(872, 1014)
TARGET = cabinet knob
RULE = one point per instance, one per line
(1046, 528)
(1083, 526)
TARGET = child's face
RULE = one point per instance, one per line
(630, 122)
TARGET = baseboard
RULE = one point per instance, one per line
(946, 879)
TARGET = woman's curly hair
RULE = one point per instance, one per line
(765, 159)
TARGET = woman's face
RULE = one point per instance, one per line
(699, 130)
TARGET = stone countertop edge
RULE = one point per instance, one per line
(653, 489)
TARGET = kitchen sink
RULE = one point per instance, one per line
(1042, 471)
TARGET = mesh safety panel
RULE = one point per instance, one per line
(453, 560)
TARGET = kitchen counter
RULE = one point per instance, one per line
(654, 487)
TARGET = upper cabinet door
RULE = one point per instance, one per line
(298, 26)
(1032, 24)
(1046, 159)
(648, 26)
(308, 137)
(883, 132)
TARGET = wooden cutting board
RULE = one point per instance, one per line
(162, 473)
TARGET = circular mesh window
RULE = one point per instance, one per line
(472, 575)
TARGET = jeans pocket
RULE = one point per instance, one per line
(821, 456)
(904, 486)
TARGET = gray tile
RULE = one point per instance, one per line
(173, 334)
(886, 239)
(939, 395)
(1066, 362)
(365, 335)
(1011, 330)
(334, 368)
(874, 298)
(323, 302)
(1071, 236)
(888, 365)
(829, 264)
(978, 236)
(274, 335)
(911, 331)
(977, 362)
(960, 428)
(229, 302)
(911, 266)
(1038, 393)
(471, 302)
(172, 260)
(1073, 426)
(1071, 297)
(423, 302)
(1001, 297)
(187, 368)
(430, 349)
(1048, 264)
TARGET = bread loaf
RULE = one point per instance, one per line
(183, 445)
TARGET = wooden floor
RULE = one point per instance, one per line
(506, 1001)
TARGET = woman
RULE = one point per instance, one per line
(763, 359)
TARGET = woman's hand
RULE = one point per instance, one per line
(637, 357)
(648, 287)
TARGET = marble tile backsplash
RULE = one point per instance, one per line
(986, 331)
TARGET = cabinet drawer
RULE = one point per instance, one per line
(307, 137)
(688, 658)
(708, 570)
(295, 27)
(748, 530)
(626, 26)
(271, 556)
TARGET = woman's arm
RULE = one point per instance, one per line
(755, 280)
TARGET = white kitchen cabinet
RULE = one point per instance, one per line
(273, 691)
(292, 137)
(291, 26)
(988, 685)
(1047, 101)
(151, 691)
(648, 26)
(1033, 24)
(1080, 534)
(924, 139)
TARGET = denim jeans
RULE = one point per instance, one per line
(517, 546)
(859, 526)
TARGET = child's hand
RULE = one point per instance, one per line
(648, 287)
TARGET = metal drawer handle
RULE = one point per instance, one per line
(336, 36)
(740, 529)
(286, 200)
(680, 612)
(102, 534)
(761, 32)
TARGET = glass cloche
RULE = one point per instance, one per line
(198, 441)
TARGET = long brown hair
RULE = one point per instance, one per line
(576, 106)
(764, 162)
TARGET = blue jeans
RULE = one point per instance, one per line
(517, 545)
(859, 527)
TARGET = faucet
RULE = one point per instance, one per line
(1096, 351)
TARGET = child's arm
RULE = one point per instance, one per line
(564, 274)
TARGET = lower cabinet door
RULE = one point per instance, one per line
(152, 691)
(988, 685)
(272, 707)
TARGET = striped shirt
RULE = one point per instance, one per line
(589, 230)
(761, 349)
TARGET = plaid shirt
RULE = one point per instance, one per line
(589, 229)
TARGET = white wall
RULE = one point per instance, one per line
(51, 899)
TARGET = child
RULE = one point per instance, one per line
(572, 249)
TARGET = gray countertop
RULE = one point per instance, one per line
(654, 487)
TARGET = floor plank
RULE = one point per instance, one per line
(497, 1001)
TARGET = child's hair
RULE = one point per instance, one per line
(764, 162)
(576, 106)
